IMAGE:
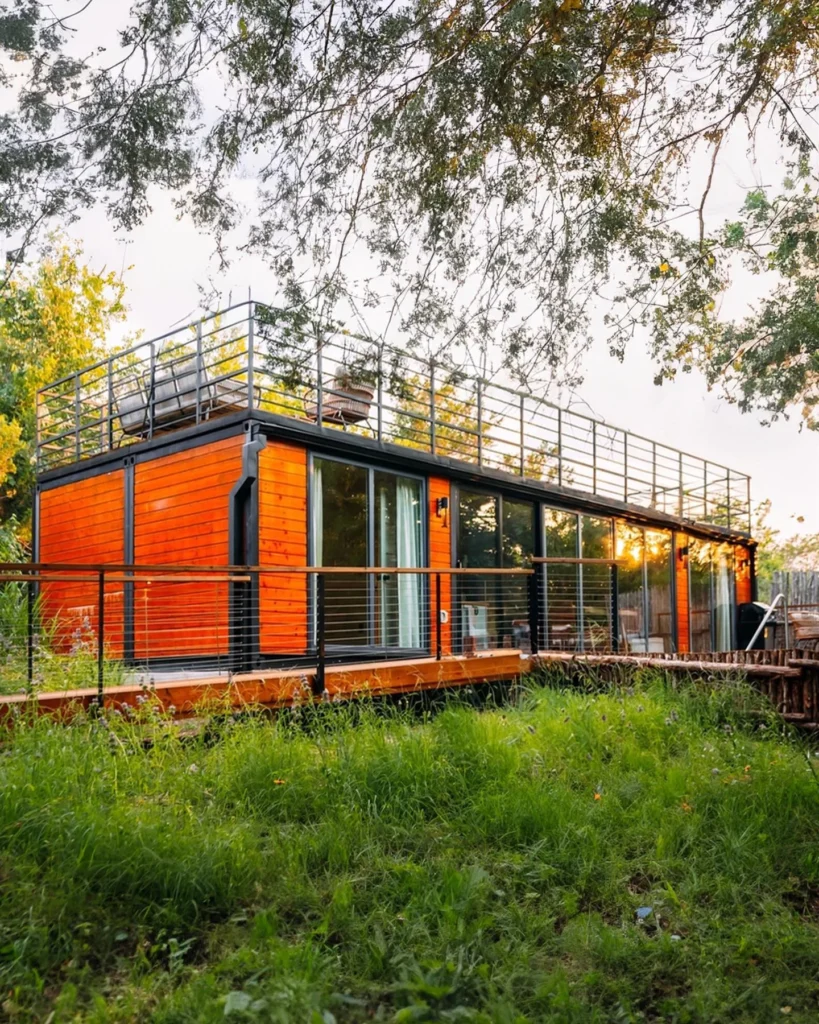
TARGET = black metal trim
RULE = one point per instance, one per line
(389, 455)
(243, 549)
(146, 451)
(128, 552)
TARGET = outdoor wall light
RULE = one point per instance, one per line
(441, 507)
(683, 553)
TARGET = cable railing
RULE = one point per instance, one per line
(74, 627)
(252, 357)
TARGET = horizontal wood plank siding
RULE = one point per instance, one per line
(681, 579)
(283, 531)
(182, 517)
(440, 557)
(83, 522)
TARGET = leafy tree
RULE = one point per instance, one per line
(799, 552)
(54, 319)
(478, 171)
(769, 360)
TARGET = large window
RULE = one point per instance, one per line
(711, 583)
(369, 518)
(493, 533)
(578, 597)
(645, 601)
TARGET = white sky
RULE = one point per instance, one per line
(171, 258)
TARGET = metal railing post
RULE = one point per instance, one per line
(705, 490)
(251, 344)
(319, 385)
(625, 466)
(728, 495)
(199, 372)
(438, 642)
(152, 391)
(560, 447)
(594, 456)
(681, 504)
(30, 634)
(380, 394)
(432, 437)
(534, 611)
(77, 446)
(321, 624)
(101, 639)
(653, 474)
(522, 436)
(110, 431)
(748, 499)
(480, 420)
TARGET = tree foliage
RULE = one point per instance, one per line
(54, 319)
(769, 360)
(466, 171)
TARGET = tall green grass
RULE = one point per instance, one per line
(359, 863)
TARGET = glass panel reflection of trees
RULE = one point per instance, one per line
(645, 599)
(578, 598)
(493, 533)
(711, 571)
(365, 518)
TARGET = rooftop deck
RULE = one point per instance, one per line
(253, 357)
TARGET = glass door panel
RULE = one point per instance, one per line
(562, 581)
(660, 598)
(517, 551)
(629, 548)
(723, 569)
(700, 555)
(340, 523)
(595, 582)
(476, 623)
(398, 544)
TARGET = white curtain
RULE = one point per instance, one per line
(408, 552)
(724, 605)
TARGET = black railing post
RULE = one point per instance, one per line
(30, 634)
(615, 620)
(534, 611)
(321, 643)
(101, 639)
(438, 645)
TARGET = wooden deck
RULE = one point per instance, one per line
(789, 678)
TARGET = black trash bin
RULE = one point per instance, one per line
(749, 617)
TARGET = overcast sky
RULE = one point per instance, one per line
(171, 259)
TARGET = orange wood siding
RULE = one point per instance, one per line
(182, 517)
(743, 574)
(681, 574)
(440, 557)
(83, 522)
(283, 531)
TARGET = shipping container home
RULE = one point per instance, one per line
(243, 440)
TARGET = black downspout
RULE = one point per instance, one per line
(128, 648)
(243, 542)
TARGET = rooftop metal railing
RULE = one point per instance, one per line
(253, 357)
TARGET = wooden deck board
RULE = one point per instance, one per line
(282, 687)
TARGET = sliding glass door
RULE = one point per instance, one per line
(712, 604)
(493, 532)
(578, 597)
(366, 518)
(645, 595)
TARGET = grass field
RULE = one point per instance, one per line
(642, 856)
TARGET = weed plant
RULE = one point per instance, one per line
(651, 854)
